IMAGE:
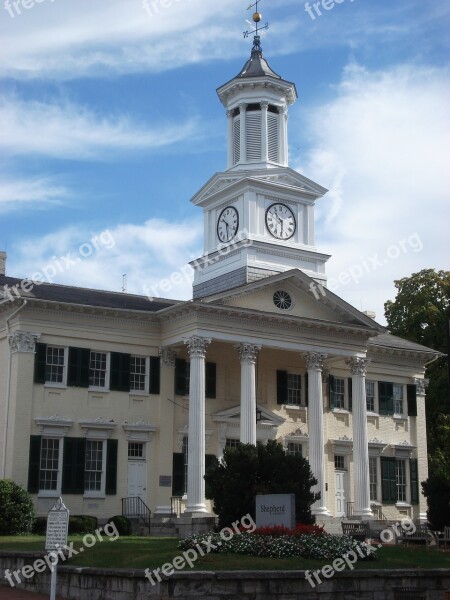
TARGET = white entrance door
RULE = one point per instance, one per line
(137, 479)
(341, 495)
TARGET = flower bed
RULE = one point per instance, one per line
(280, 543)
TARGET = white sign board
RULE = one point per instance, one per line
(57, 526)
(273, 510)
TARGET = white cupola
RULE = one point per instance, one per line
(257, 101)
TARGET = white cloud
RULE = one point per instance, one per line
(39, 192)
(147, 253)
(381, 147)
(68, 130)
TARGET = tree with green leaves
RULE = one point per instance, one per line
(421, 313)
(246, 471)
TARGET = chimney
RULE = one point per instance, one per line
(2, 263)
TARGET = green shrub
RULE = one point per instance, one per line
(16, 509)
(122, 524)
(40, 526)
(82, 524)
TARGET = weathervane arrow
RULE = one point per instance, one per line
(256, 17)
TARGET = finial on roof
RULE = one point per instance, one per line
(255, 28)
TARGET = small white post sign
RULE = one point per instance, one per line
(274, 510)
(57, 529)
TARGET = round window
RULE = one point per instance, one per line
(282, 300)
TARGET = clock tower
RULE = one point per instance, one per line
(259, 213)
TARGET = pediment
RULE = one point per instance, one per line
(308, 300)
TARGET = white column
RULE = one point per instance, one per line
(230, 138)
(314, 363)
(264, 137)
(421, 442)
(196, 448)
(361, 481)
(247, 353)
(243, 130)
(282, 135)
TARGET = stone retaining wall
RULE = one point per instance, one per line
(83, 583)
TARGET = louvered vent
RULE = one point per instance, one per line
(236, 140)
(253, 137)
(272, 133)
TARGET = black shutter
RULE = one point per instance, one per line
(111, 467)
(306, 389)
(178, 474)
(40, 362)
(350, 392)
(34, 464)
(282, 380)
(331, 391)
(210, 380)
(120, 372)
(411, 394)
(388, 480)
(414, 478)
(180, 376)
(386, 397)
(78, 374)
(73, 465)
(155, 375)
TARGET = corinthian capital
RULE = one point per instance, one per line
(358, 366)
(23, 341)
(421, 385)
(247, 352)
(197, 346)
(167, 356)
(314, 361)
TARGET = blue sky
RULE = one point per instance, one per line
(110, 122)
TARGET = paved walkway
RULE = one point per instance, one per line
(9, 593)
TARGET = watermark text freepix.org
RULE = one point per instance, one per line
(14, 7)
(50, 560)
(191, 555)
(315, 10)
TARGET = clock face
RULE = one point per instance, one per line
(280, 221)
(228, 224)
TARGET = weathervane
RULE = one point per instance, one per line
(256, 17)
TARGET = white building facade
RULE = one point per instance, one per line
(107, 396)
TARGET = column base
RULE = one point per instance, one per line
(163, 510)
(423, 518)
(191, 510)
(364, 513)
(321, 511)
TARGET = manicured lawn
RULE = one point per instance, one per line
(140, 553)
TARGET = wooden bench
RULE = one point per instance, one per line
(358, 531)
(443, 537)
(421, 534)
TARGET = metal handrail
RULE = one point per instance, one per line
(133, 506)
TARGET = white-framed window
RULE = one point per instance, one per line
(339, 393)
(294, 389)
(231, 443)
(136, 450)
(139, 371)
(373, 478)
(50, 465)
(56, 365)
(94, 470)
(370, 396)
(400, 474)
(398, 398)
(339, 462)
(294, 449)
(99, 369)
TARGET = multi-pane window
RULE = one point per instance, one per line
(49, 464)
(137, 373)
(231, 443)
(339, 392)
(294, 449)
(135, 450)
(398, 398)
(94, 466)
(97, 369)
(54, 365)
(373, 478)
(400, 474)
(293, 389)
(370, 396)
(339, 462)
